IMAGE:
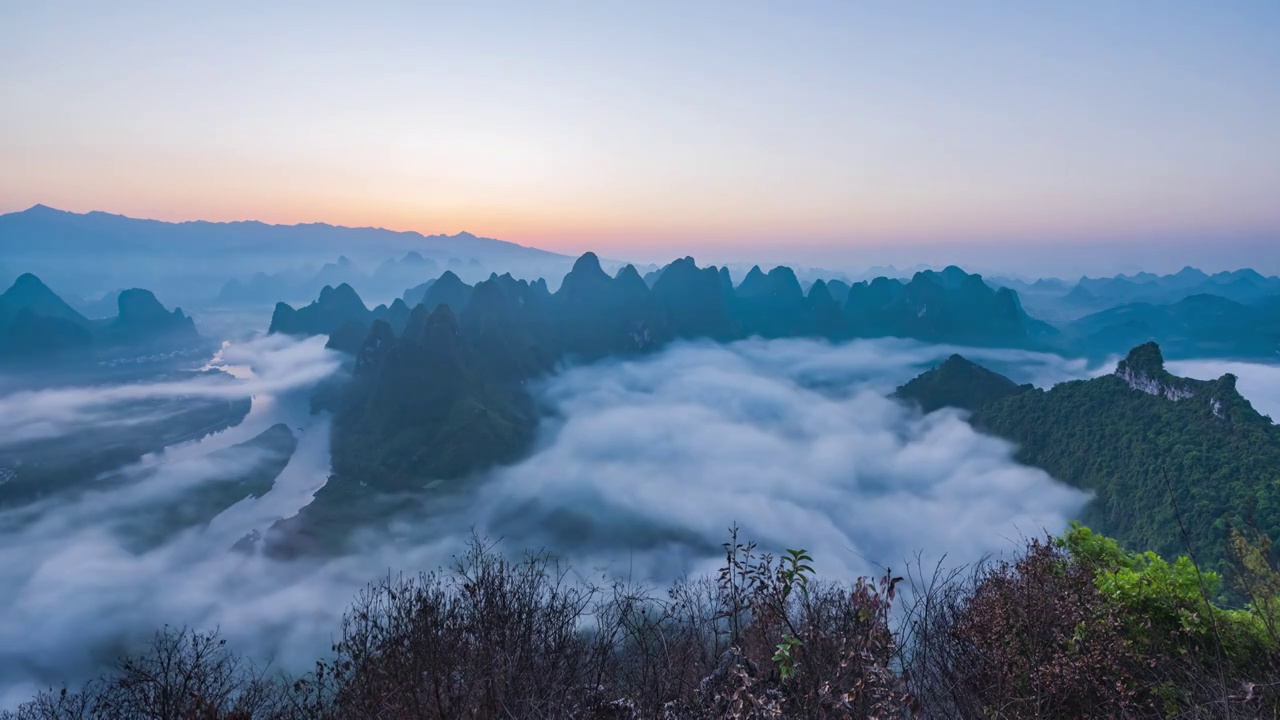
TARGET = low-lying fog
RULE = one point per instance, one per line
(640, 468)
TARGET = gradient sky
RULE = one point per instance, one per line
(637, 128)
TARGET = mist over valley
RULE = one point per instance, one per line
(639, 361)
(256, 481)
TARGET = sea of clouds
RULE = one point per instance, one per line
(640, 468)
(644, 465)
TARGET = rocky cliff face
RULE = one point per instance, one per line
(1143, 370)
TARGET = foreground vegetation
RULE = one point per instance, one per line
(1074, 627)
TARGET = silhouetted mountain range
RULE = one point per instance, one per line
(263, 288)
(1063, 302)
(598, 314)
(1196, 326)
(38, 325)
(439, 391)
(46, 230)
(1189, 313)
(388, 280)
(340, 313)
(410, 269)
(1240, 285)
(948, 306)
(91, 253)
(446, 366)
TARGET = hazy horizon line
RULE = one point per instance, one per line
(793, 252)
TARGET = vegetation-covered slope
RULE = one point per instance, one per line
(1160, 453)
(958, 383)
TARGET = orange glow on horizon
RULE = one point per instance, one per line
(657, 232)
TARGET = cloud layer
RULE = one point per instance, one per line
(278, 364)
(640, 468)
(649, 462)
(72, 594)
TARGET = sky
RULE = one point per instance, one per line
(647, 129)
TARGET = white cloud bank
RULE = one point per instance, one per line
(640, 468)
(279, 364)
(794, 441)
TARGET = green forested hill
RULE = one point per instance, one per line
(1149, 446)
(958, 383)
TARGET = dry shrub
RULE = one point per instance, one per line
(494, 638)
(1036, 638)
(180, 674)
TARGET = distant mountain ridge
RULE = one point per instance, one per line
(947, 306)
(1190, 313)
(392, 275)
(36, 325)
(1063, 302)
(503, 332)
(1189, 280)
(1196, 326)
(92, 253)
(54, 230)
(442, 392)
(687, 301)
